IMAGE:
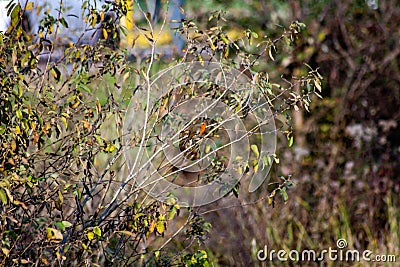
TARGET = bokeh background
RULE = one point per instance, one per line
(346, 158)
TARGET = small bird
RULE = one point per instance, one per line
(191, 139)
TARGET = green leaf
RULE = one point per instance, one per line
(255, 166)
(97, 231)
(126, 233)
(138, 216)
(19, 114)
(284, 194)
(254, 148)
(266, 160)
(160, 227)
(109, 148)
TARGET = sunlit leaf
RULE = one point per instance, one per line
(160, 227)
(56, 73)
(3, 196)
(97, 231)
(90, 235)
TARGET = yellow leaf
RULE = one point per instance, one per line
(19, 114)
(254, 148)
(17, 130)
(255, 166)
(110, 148)
(317, 84)
(153, 225)
(126, 76)
(3, 196)
(29, 6)
(270, 54)
(290, 141)
(56, 73)
(10, 197)
(64, 121)
(105, 34)
(5, 251)
(90, 235)
(46, 128)
(11, 161)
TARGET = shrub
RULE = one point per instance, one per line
(63, 187)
